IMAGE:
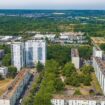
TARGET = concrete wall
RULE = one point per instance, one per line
(76, 62)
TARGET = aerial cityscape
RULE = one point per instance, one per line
(52, 52)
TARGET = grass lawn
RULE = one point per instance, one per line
(4, 85)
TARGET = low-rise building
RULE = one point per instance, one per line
(75, 58)
(44, 36)
(78, 100)
(3, 71)
(14, 91)
(72, 37)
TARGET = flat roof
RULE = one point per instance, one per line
(74, 52)
(14, 85)
(16, 42)
(78, 97)
(72, 33)
(98, 40)
(30, 40)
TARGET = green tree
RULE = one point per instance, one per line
(87, 80)
(73, 80)
(39, 66)
(85, 52)
(12, 71)
(69, 69)
(52, 66)
(86, 69)
(102, 46)
(59, 53)
(59, 85)
(7, 60)
(77, 92)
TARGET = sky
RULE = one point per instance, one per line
(53, 4)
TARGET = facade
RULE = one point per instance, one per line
(3, 71)
(16, 88)
(73, 37)
(28, 53)
(78, 100)
(99, 67)
(17, 49)
(35, 50)
(75, 58)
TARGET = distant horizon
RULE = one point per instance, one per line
(54, 9)
(53, 4)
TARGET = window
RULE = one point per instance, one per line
(40, 53)
(30, 53)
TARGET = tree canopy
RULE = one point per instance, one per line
(69, 69)
(7, 60)
(12, 71)
(39, 66)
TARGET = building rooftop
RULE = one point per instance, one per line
(74, 52)
(98, 40)
(14, 85)
(72, 33)
(16, 42)
(36, 40)
(80, 97)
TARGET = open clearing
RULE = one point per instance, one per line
(4, 85)
(85, 90)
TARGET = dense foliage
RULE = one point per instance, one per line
(91, 22)
(74, 78)
(62, 54)
(51, 83)
(39, 66)
(12, 71)
(85, 52)
(102, 46)
(7, 60)
(59, 53)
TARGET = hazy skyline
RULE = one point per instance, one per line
(52, 4)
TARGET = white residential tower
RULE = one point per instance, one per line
(28, 53)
